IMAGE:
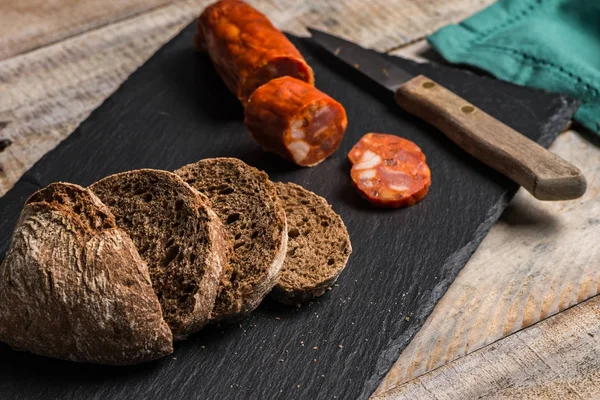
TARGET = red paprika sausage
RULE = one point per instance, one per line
(295, 120)
(389, 171)
(246, 49)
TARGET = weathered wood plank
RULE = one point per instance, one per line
(380, 24)
(28, 24)
(558, 358)
(538, 260)
(49, 91)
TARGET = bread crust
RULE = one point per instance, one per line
(217, 251)
(74, 287)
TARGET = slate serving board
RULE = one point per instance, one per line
(175, 110)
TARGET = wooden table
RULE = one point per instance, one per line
(60, 59)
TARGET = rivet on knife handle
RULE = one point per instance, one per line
(541, 172)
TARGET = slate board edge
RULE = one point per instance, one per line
(458, 260)
(454, 264)
(389, 355)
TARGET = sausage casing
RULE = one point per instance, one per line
(295, 120)
(246, 49)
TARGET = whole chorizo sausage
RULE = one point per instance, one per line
(246, 49)
(295, 120)
(389, 171)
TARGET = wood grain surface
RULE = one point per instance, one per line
(556, 359)
(43, 100)
(26, 25)
(29, 24)
(175, 110)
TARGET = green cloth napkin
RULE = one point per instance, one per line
(548, 44)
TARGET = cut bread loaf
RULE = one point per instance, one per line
(318, 246)
(177, 234)
(247, 203)
(73, 286)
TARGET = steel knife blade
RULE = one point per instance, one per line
(376, 67)
(541, 172)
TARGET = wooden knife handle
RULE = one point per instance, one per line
(544, 174)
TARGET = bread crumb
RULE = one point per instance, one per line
(407, 318)
(302, 342)
(340, 346)
(329, 288)
(315, 360)
(203, 347)
(298, 386)
(277, 318)
(298, 305)
(315, 348)
(174, 358)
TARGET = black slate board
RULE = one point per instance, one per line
(175, 110)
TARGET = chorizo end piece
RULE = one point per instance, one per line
(246, 49)
(296, 121)
(389, 171)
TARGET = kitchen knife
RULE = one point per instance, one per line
(541, 172)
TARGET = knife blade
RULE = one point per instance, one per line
(545, 175)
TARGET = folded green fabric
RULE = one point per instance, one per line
(548, 44)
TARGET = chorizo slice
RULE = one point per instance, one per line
(295, 120)
(389, 171)
(246, 49)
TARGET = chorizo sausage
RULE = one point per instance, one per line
(295, 120)
(389, 171)
(246, 49)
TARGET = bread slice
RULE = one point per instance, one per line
(247, 203)
(318, 246)
(73, 286)
(177, 234)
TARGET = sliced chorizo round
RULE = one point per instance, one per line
(389, 171)
(295, 120)
(246, 49)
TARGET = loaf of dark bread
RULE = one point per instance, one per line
(318, 246)
(177, 234)
(73, 286)
(247, 203)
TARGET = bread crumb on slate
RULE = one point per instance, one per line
(315, 348)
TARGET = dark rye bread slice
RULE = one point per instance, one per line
(247, 203)
(177, 234)
(73, 285)
(318, 246)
